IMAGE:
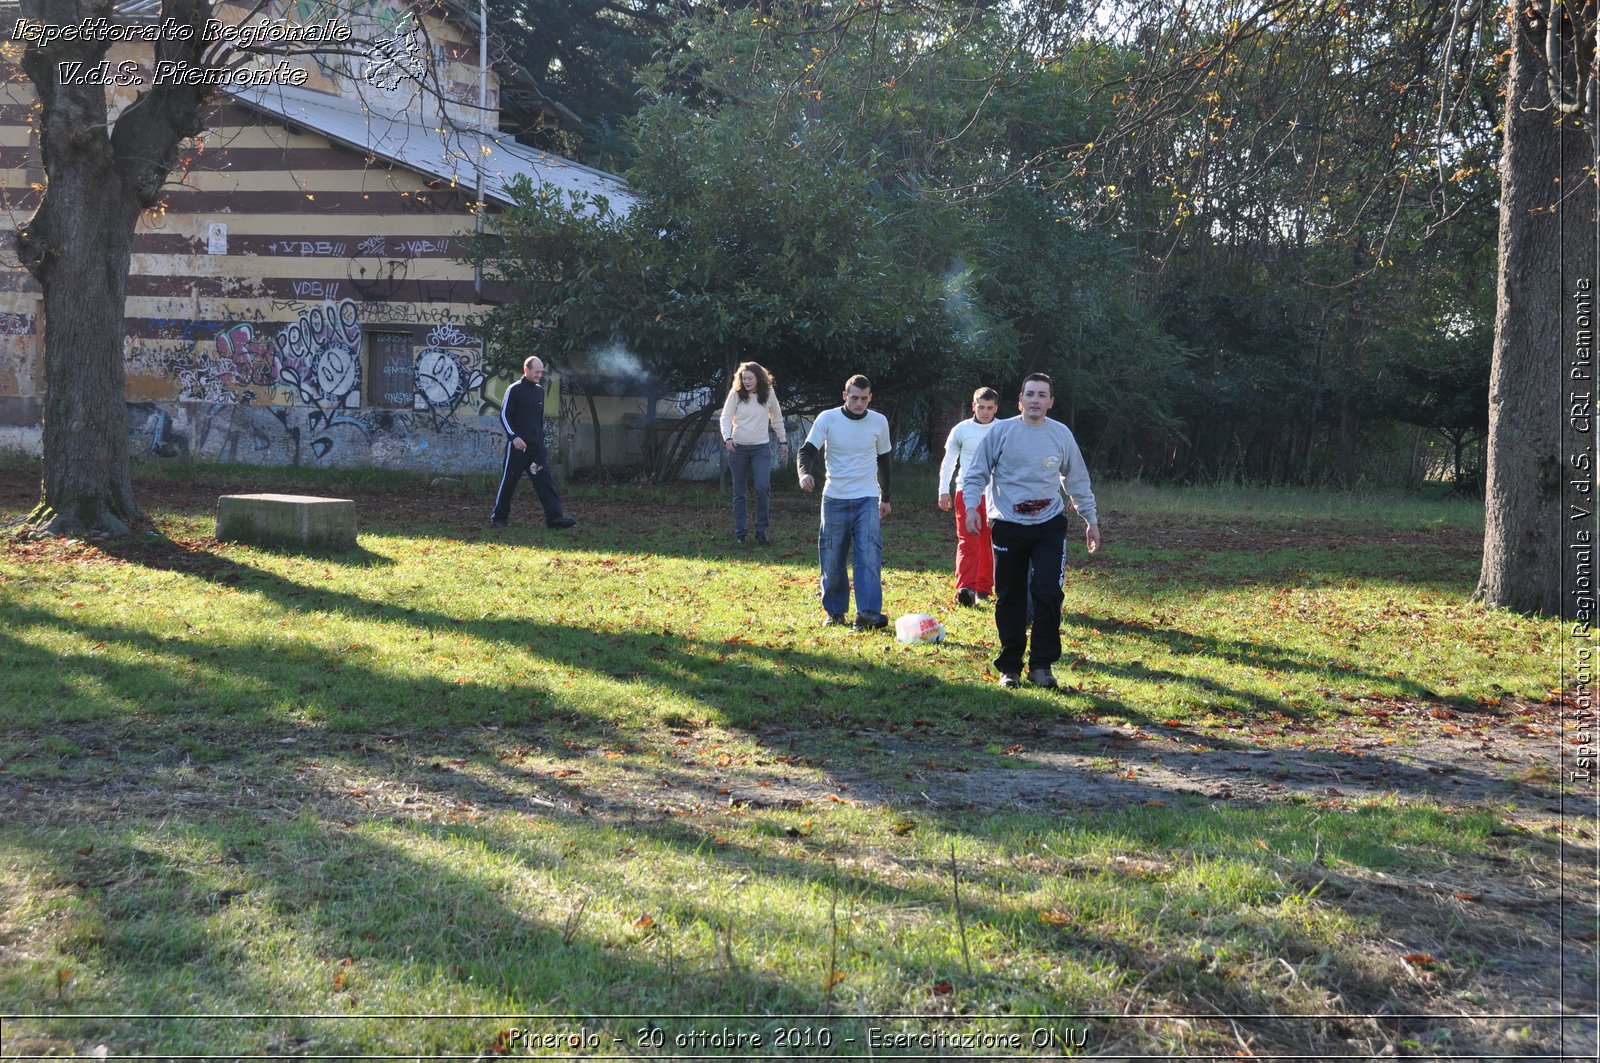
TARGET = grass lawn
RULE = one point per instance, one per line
(614, 791)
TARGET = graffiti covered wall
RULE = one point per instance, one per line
(292, 300)
(253, 336)
(308, 390)
(309, 384)
(304, 435)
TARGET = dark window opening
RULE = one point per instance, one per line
(391, 370)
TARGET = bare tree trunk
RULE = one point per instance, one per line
(99, 176)
(1344, 466)
(594, 420)
(1547, 228)
(86, 475)
(681, 441)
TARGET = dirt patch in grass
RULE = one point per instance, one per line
(1406, 749)
(1478, 938)
(1509, 758)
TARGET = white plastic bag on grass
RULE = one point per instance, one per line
(918, 627)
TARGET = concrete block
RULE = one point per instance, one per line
(288, 520)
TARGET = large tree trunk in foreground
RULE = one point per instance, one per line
(1547, 263)
(84, 239)
(99, 176)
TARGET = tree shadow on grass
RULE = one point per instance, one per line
(855, 695)
(825, 697)
(357, 556)
(1250, 654)
(196, 700)
(925, 888)
(916, 544)
(693, 521)
(1243, 652)
(822, 688)
(170, 918)
(393, 873)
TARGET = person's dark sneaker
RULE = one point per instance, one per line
(870, 621)
(1010, 680)
(1042, 677)
(834, 620)
(984, 596)
(498, 523)
(762, 540)
(562, 521)
(967, 596)
(739, 539)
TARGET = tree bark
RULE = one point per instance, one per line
(1547, 255)
(100, 175)
(1344, 467)
(73, 245)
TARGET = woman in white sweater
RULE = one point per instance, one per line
(750, 418)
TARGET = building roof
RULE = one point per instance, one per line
(431, 145)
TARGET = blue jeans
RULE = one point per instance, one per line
(851, 527)
(748, 459)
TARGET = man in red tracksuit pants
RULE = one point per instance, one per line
(974, 554)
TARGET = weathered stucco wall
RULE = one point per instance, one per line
(302, 435)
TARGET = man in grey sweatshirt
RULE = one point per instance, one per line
(1022, 468)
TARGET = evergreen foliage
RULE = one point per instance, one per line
(1241, 249)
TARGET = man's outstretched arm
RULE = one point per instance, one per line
(810, 460)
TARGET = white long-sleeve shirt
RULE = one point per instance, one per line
(747, 421)
(959, 449)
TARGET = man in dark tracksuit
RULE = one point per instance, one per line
(522, 416)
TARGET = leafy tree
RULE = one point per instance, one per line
(767, 228)
(1422, 76)
(1197, 225)
(1278, 173)
(1062, 291)
(776, 260)
(832, 188)
(1443, 387)
(579, 58)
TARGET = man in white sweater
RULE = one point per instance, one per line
(1026, 464)
(974, 552)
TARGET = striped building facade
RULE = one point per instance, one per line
(295, 299)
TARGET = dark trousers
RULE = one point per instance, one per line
(1016, 547)
(517, 463)
(751, 461)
